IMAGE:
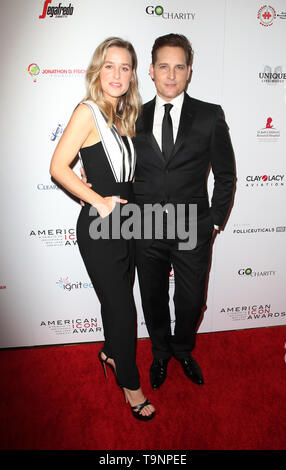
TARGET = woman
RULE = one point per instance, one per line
(100, 131)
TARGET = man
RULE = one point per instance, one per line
(175, 147)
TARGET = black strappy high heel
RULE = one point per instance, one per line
(105, 363)
(136, 410)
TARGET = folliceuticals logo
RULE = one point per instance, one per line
(57, 11)
(266, 15)
(34, 70)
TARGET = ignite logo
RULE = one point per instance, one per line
(57, 12)
(67, 285)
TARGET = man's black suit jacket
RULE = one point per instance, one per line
(202, 142)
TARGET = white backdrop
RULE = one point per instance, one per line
(45, 293)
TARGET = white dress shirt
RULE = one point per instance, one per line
(159, 114)
(175, 115)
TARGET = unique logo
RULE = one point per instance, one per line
(268, 133)
(34, 71)
(57, 12)
(266, 15)
(272, 76)
(159, 11)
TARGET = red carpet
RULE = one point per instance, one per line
(57, 398)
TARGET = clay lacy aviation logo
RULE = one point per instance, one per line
(57, 11)
(264, 181)
(159, 12)
(266, 15)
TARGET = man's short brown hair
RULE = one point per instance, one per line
(173, 40)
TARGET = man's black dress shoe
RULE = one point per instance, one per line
(158, 372)
(192, 370)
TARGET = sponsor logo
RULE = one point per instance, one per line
(34, 70)
(171, 277)
(269, 133)
(247, 229)
(264, 181)
(160, 12)
(266, 15)
(248, 272)
(60, 72)
(47, 187)
(251, 312)
(67, 285)
(57, 133)
(72, 326)
(58, 11)
(272, 75)
(55, 237)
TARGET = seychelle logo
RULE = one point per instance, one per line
(34, 71)
(160, 12)
(57, 12)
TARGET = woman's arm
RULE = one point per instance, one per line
(76, 133)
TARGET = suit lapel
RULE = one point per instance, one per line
(148, 118)
(186, 120)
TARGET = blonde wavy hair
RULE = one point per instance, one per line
(129, 104)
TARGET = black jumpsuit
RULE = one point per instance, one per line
(110, 265)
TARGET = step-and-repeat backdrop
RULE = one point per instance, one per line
(45, 293)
